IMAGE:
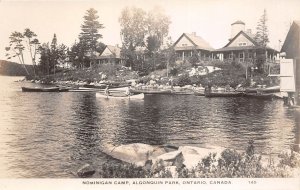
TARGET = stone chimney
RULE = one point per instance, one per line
(194, 33)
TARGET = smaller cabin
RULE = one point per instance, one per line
(111, 54)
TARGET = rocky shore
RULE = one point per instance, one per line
(143, 160)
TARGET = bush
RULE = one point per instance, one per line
(183, 80)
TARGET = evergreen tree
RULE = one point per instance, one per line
(262, 33)
(54, 53)
(33, 45)
(90, 33)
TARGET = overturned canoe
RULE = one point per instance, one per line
(115, 96)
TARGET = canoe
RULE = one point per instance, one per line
(223, 94)
(38, 89)
(81, 89)
(197, 93)
(182, 92)
(135, 91)
(112, 96)
(273, 89)
(259, 96)
(103, 86)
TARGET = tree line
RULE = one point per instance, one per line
(146, 45)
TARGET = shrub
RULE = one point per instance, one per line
(183, 80)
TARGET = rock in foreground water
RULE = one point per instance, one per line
(86, 171)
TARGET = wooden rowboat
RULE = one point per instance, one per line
(197, 93)
(223, 94)
(135, 91)
(37, 89)
(259, 96)
(112, 96)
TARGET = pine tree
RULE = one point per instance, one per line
(90, 32)
(262, 33)
(54, 52)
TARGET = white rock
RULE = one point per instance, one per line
(193, 155)
(136, 153)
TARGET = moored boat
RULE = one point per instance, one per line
(182, 92)
(272, 89)
(81, 89)
(259, 96)
(39, 89)
(199, 93)
(223, 94)
(118, 96)
(135, 91)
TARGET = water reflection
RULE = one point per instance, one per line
(85, 127)
(297, 130)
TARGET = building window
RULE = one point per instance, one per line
(242, 44)
(241, 57)
(230, 56)
(184, 45)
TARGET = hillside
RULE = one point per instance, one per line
(12, 69)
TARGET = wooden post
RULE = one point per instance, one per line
(297, 80)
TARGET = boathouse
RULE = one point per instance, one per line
(189, 44)
(243, 48)
(111, 54)
(291, 49)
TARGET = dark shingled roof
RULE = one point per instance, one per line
(241, 48)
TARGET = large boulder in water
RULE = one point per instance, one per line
(136, 153)
(86, 171)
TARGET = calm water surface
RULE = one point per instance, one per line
(52, 134)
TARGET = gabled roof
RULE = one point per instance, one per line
(242, 33)
(116, 51)
(197, 41)
(256, 45)
(290, 39)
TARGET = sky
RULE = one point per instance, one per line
(210, 19)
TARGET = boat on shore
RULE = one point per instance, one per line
(223, 94)
(120, 96)
(40, 89)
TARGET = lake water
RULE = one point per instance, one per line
(49, 135)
